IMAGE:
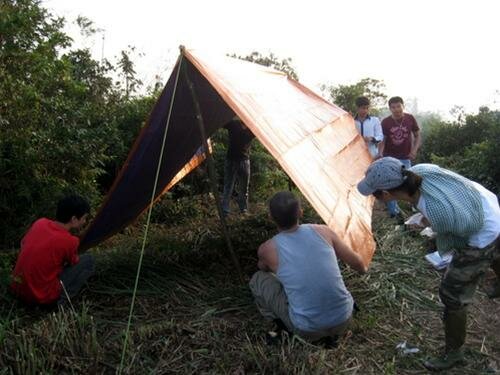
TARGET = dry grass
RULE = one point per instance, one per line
(194, 316)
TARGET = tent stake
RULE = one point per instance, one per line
(211, 174)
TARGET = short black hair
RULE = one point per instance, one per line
(285, 209)
(362, 101)
(410, 185)
(71, 205)
(396, 99)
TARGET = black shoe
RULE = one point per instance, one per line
(329, 342)
(280, 326)
(273, 337)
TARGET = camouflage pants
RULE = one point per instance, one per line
(466, 270)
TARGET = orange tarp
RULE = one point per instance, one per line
(314, 141)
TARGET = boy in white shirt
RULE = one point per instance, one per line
(368, 126)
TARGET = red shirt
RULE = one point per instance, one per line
(45, 250)
(397, 136)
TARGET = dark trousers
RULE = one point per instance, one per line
(74, 277)
(236, 170)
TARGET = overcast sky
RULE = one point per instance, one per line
(443, 53)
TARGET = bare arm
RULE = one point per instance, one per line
(344, 252)
(381, 146)
(417, 140)
(267, 257)
(347, 255)
(378, 134)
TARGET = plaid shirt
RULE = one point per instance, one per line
(453, 205)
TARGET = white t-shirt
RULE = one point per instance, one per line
(370, 127)
(491, 227)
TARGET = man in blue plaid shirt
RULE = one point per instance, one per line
(466, 218)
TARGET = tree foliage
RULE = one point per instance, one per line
(66, 126)
(59, 116)
(467, 146)
(345, 95)
(127, 71)
(271, 60)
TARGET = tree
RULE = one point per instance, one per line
(60, 123)
(345, 95)
(128, 72)
(283, 65)
(468, 146)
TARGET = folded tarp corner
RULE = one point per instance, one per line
(314, 141)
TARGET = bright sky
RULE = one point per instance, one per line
(443, 53)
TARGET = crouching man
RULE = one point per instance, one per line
(49, 269)
(299, 282)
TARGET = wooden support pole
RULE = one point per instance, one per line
(211, 170)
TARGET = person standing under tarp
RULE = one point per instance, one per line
(368, 126)
(401, 140)
(237, 164)
(466, 218)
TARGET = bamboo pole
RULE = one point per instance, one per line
(211, 170)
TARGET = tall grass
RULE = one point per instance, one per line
(193, 316)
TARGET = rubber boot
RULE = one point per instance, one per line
(494, 292)
(455, 324)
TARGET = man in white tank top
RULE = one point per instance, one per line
(299, 282)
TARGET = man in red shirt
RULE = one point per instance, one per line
(49, 269)
(401, 140)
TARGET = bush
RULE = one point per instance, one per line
(64, 123)
(468, 147)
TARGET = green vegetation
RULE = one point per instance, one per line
(345, 95)
(65, 125)
(194, 316)
(467, 146)
(284, 65)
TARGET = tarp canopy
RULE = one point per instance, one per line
(314, 141)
